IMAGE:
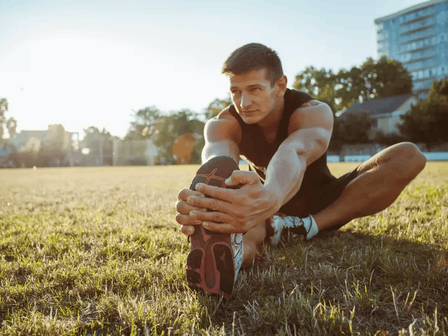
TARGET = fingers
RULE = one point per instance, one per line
(220, 227)
(184, 193)
(184, 208)
(212, 216)
(239, 177)
(209, 203)
(187, 230)
(214, 192)
(187, 220)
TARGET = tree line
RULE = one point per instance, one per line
(373, 79)
(384, 78)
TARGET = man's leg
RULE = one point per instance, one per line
(252, 240)
(380, 181)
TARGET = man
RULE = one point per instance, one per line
(289, 193)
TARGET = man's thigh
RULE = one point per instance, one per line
(396, 151)
(320, 197)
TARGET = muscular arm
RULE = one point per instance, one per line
(309, 131)
(222, 135)
(242, 209)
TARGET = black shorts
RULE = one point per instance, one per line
(320, 197)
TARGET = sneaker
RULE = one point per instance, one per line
(288, 230)
(215, 258)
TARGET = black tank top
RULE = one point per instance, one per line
(257, 151)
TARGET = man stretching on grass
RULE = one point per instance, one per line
(289, 193)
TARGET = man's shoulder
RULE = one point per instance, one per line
(225, 114)
(224, 117)
(225, 124)
(298, 97)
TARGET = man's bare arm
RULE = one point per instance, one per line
(309, 131)
(222, 135)
(241, 209)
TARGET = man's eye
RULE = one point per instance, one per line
(255, 89)
(235, 92)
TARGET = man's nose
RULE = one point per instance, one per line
(245, 101)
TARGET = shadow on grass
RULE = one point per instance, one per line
(339, 282)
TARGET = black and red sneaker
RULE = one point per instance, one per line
(211, 263)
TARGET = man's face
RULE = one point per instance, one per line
(253, 96)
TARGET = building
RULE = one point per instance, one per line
(417, 37)
(25, 139)
(7, 156)
(32, 141)
(386, 112)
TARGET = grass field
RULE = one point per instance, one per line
(97, 251)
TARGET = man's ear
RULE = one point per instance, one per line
(281, 86)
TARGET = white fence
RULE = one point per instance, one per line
(430, 156)
(132, 152)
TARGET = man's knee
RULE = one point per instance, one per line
(408, 157)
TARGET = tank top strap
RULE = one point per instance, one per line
(293, 100)
(236, 115)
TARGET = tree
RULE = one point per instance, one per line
(11, 125)
(354, 127)
(386, 78)
(216, 106)
(173, 125)
(319, 84)
(373, 79)
(427, 120)
(387, 139)
(99, 143)
(337, 136)
(53, 150)
(3, 120)
(350, 87)
(144, 124)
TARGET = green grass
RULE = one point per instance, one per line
(97, 251)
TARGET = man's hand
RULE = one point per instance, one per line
(184, 210)
(234, 210)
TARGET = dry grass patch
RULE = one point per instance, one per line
(96, 251)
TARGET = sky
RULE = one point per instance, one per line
(92, 63)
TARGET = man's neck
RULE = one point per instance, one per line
(271, 122)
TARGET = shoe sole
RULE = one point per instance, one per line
(210, 263)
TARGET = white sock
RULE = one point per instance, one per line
(238, 251)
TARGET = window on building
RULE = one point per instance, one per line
(375, 123)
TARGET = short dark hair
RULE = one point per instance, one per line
(254, 56)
